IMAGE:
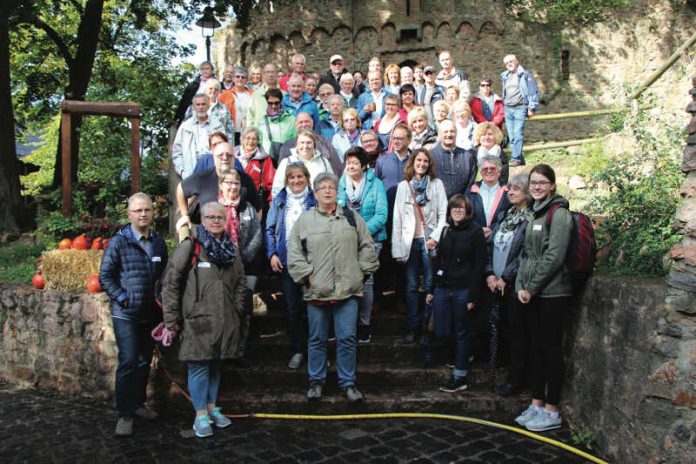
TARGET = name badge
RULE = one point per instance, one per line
(538, 227)
(204, 265)
(156, 259)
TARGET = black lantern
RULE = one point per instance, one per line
(208, 23)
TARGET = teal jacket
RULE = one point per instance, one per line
(543, 271)
(373, 207)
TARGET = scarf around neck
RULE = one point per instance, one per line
(221, 252)
(353, 193)
(297, 196)
(420, 187)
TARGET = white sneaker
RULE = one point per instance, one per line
(544, 421)
(296, 361)
(530, 413)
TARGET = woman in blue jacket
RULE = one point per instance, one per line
(296, 198)
(360, 190)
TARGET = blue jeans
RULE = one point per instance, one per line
(135, 346)
(345, 316)
(418, 260)
(368, 298)
(515, 119)
(453, 321)
(296, 307)
(204, 382)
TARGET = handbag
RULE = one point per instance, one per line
(421, 217)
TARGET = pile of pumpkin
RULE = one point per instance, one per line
(74, 265)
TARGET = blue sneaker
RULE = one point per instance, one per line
(530, 413)
(219, 418)
(202, 426)
(543, 421)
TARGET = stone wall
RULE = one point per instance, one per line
(631, 373)
(56, 340)
(605, 59)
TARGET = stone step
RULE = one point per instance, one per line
(384, 322)
(367, 374)
(377, 400)
(271, 350)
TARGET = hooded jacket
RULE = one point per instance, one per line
(498, 117)
(543, 271)
(330, 256)
(306, 105)
(206, 302)
(130, 277)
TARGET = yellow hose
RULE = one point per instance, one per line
(407, 415)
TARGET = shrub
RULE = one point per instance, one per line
(642, 197)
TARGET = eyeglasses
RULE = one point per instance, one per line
(273, 103)
(484, 85)
(240, 77)
(224, 155)
(459, 208)
(214, 218)
(251, 138)
(390, 104)
(489, 169)
(328, 188)
(141, 211)
(325, 94)
(398, 138)
(539, 183)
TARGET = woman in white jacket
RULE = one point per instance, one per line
(420, 212)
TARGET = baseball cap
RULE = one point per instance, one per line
(335, 58)
(428, 69)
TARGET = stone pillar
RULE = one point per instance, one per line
(675, 339)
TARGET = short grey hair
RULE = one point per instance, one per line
(346, 77)
(213, 83)
(200, 95)
(248, 130)
(213, 205)
(521, 181)
(240, 70)
(138, 196)
(324, 176)
(493, 160)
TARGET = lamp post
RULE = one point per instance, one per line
(208, 22)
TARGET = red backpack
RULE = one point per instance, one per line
(582, 249)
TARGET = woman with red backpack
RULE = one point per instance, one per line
(544, 287)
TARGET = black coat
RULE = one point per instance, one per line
(461, 259)
(513, 259)
(187, 99)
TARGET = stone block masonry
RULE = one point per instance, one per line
(55, 340)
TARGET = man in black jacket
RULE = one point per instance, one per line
(130, 274)
(337, 68)
(196, 85)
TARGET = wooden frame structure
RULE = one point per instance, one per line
(116, 109)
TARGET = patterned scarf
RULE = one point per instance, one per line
(221, 252)
(506, 230)
(232, 219)
(420, 187)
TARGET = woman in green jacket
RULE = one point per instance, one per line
(544, 288)
(203, 297)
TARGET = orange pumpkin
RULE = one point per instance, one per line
(65, 244)
(80, 242)
(38, 280)
(93, 284)
(96, 244)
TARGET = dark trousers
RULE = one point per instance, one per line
(514, 335)
(297, 324)
(545, 319)
(135, 347)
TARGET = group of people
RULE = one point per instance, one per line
(296, 189)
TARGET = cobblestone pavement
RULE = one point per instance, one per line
(38, 426)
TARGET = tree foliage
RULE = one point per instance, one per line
(566, 11)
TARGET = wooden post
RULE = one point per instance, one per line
(135, 155)
(66, 163)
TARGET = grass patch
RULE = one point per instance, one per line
(18, 261)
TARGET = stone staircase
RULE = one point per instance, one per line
(390, 373)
